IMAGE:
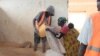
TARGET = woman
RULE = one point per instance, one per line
(70, 34)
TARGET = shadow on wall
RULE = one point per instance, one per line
(10, 31)
(4, 19)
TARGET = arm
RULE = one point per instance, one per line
(52, 31)
(38, 20)
(62, 32)
(36, 24)
(84, 37)
(82, 49)
(57, 35)
(42, 19)
(49, 21)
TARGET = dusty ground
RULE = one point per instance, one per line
(19, 52)
(13, 49)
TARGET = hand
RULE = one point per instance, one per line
(47, 29)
